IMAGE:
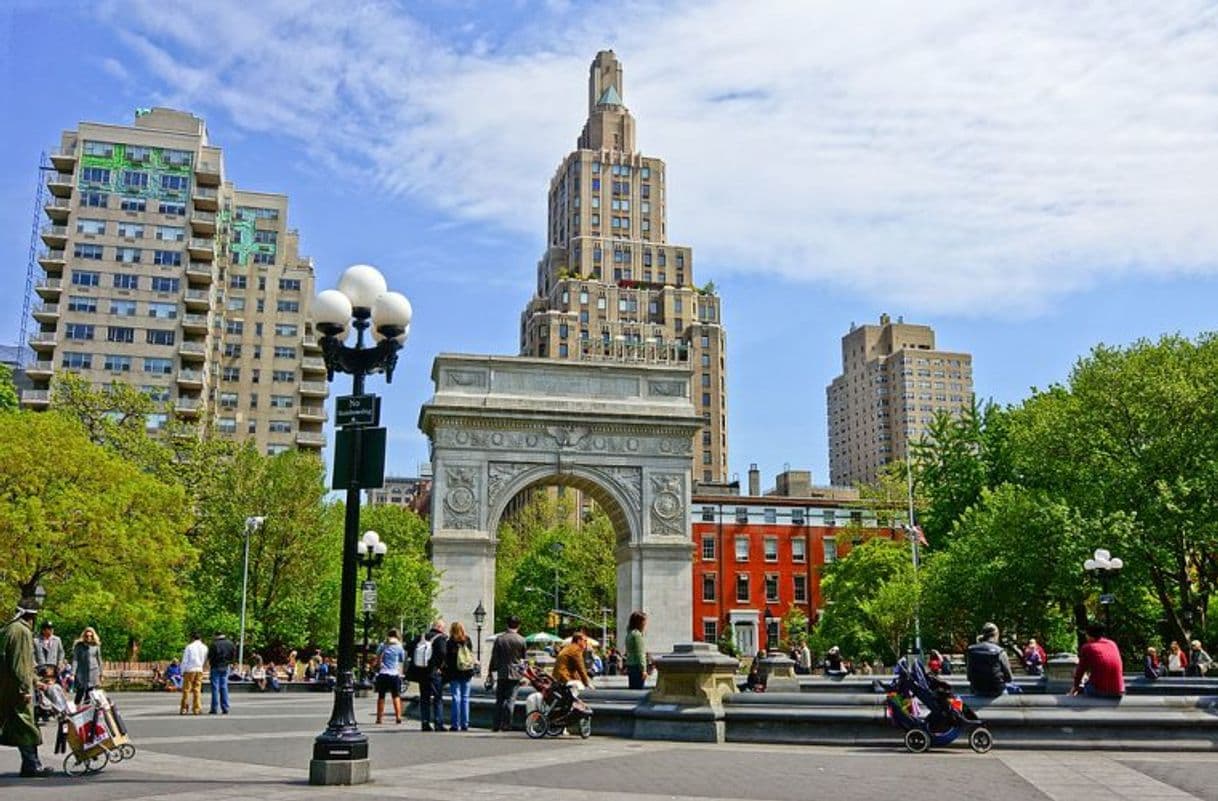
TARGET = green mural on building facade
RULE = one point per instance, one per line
(150, 168)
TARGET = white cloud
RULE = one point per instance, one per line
(961, 157)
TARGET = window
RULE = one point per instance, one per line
(236, 304)
(800, 588)
(95, 200)
(232, 374)
(710, 631)
(126, 281)
(287, 306)
(155, 422)
(264, 258)
(82, 303)
(158, 337)
(116, 333)
(226, 425)
(169, 258)
(78, 361)
(232, 349)
(103, 149)
(771, 549)
(797, 517)
(289, 284)
(708, 546)
(283, 375)
(86, 251)
(771, 587)
(175, 183)
(238, 282)
(178, 158)
(284, 352)
(96, 227)
(771, 630)
(742, 549)
(708, 514)
(234, 327)
(228, 400)
(127, 255)
(771, 515)
(286, 329)
(135, 180)
(830, 550)
(163, 284)
(265, 237)
(282, 402)
(95, 175)
(280, 427)
(176, 209)
(158, 366)
(78, 331)
(134, 204)
(798, 550)
(708, 587)
(138, 155)
(163, 311)
(118, 364)
(170, 233)
(742, 514)
(742, 588)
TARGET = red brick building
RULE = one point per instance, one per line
(753, 552)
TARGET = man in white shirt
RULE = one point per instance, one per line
(192, 674)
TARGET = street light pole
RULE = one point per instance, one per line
(251, 523)
(1104, 566)
(479, 618)
(370, 552)
(362, 302)
(557, 549)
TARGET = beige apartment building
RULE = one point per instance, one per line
(610, 285)
(160, 273)
(893, 382)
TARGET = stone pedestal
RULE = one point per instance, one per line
(339, 771)
(779, 670)
(687, 703)
(1059, 673)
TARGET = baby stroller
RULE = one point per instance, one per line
(553, 707)
(929, 713)
(94, 733)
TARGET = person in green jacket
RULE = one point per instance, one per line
(17, 686)
(636, 650)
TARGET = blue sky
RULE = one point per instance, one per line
(1029, 178)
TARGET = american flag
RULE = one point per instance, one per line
(915, 532)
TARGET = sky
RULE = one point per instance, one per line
(1029, 178)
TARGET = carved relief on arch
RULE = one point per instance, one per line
(667, 504)
(499, 476)
(461, 506)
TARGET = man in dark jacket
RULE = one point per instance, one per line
(989, 668)
(220, 654)
(430, 678)
(506, 655)
(17, 685)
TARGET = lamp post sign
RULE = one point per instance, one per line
(357, 410)
(368, 588)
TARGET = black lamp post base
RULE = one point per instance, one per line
(339, 761)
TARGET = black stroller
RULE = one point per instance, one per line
(930, 714)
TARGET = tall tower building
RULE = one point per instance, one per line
(610, 285)
(161, 273)
(893, 382)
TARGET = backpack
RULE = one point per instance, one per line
(422, 652)
(465, 657)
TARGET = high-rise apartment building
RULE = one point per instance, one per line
(893, 382)
(610, 285)
(161, 273)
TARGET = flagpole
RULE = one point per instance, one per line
(913, 539)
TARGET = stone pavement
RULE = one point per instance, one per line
(261, 751)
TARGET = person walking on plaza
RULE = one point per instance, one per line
(49, 656)
(1198, 660)
(18, 683)
(86, 663)
(459, 668)
(507, 653)
(987, 664)
(636, 650)
(428, 657)
(1099, 663)
(391, 657)
(193, 658)
(1177, 660)
(220, 656)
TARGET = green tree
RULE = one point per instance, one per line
(406, 582)
(115, 417)
(794, 628)
(8, 390)
(850, 587)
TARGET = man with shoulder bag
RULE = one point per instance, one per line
(507, 653)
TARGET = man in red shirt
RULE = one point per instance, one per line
(1100, 661)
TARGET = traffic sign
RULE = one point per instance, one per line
(357, 410)
(370, 471)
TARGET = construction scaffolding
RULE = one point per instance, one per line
(23, 346)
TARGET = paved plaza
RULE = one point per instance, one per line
(262, 750)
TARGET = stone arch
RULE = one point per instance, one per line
(614, 496)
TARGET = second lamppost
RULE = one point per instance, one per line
(370, 552)
(479, 619)
(362, 302)
(1104, 566)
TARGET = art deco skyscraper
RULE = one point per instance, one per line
(610, 285)
(161, 273)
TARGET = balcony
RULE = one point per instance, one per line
(60, 183)
(56, 236)
(36, 398)
(52, 260)
(49, 287)
(202, 247)
(198, 299)
(190, 378)
(58, 209)
(314, 388)
(202, 222)
(43, 340)
(205, 198)
(46, 312)
(40, 369)
(194, 322)
(207, 172)
(310, 439)
(192, 351)
(313, 364)
(188, 407)
(313, 414)
(199, 271)
(64, 158)
(311, 345)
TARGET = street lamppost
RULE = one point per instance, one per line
(40, 594)
(370, 552)
(1104, 566)
(479, 619)
(252, 524)
(340, 753)
(557, 549)
(768, 615)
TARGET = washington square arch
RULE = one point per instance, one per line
(621, 433)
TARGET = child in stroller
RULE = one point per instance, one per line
(929, 713)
